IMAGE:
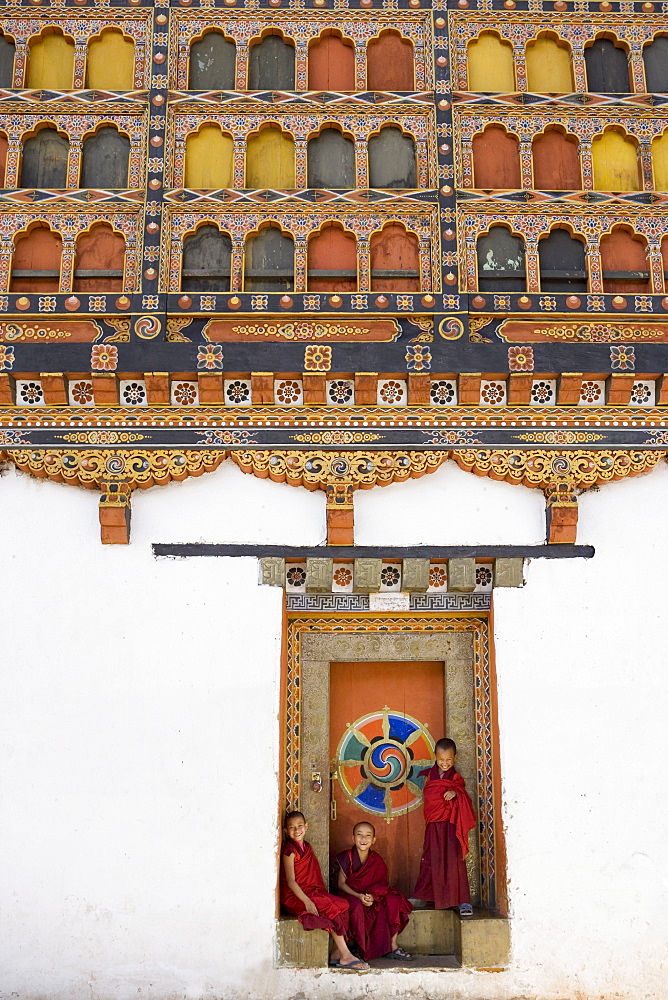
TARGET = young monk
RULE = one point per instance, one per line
(378, 913)
(303, 893)
(449, 817)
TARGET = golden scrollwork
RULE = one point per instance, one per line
(317, 470)
(543, 469)
(92, 468)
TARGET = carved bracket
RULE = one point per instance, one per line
(117, 472)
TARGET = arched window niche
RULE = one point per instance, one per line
(271, 64)
(624, 262)
(490, 64)
(556, 161)
(212, 62)
(50, 61)
(269, 261)
(562, 262)
(100, 260)
(395, 260)
(331, 62)
(496, 159)
(36, 260)
(392, 160)
(607, 64)
(111, 61)
(206, 262)
(549, 66)
(615, 162)
(105, 159)
(331, 160)
(44, 160)
(501, 261)
(209, 163)
(270, 160)
(655, 60)
(332, 260)
(7, 55)
(389, 62)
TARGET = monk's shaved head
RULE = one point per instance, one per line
(446, 744)
(295, 814)
(364, 823)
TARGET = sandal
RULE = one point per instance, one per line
(399, 955)
(357, 966)
(465, 910)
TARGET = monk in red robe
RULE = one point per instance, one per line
(378, 913)
(449, 817)
(303, 893)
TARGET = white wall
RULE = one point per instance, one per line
(139, 739)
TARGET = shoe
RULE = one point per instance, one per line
(399, 955)
(465, 910)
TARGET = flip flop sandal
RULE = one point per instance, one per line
(399, 955)
(356, 966)
(333, 965)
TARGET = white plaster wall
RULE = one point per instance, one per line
(139, 739)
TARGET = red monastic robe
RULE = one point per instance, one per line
(373, 927)
(332, 910)
(442, 878)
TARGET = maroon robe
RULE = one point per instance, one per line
(442, 878)
(332, 910)
(373, 927)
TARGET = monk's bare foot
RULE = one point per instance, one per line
(335, 957)
(356, 964)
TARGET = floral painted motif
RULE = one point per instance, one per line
(542, 393)
(30, 393)
(622, 357)
(390, 576)
(418, 358)
(547, 302)
(6, 357)
(392, 392)
(317, 358)
(520, 359)
(493, 393)
(483, 576)
(311, 302)
(184, 393)
(591, 392)
(210, 356)
(442, 393)
(438, 578)
(82, 393)
(238, 392)
(104, 357)
(288, 391)
(97, 303)
(134, 393)
(642, 394)
(47, 303)
(342, 576)
(340, 392)
(296, 576)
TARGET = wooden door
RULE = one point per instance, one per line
(384, 720)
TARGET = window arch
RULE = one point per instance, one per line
(206, 263)
(332, 260)
(624, 262)
(105, 159)
(392, 160)
(51, 62)
(212, 63)
(100, 260)
(615, 162)
(607, 67)
(556, 161)
(501, 261)
(549, 68)
(270, 160)
(655, 59)
(389, 62)
(111, 61)
(269, 265)
(331, 160)
(36, 261)
(271, 65)
(209, 159)
(660, 161)
(496, 159)
(395, 260)
(490, 64)
(562, 263)
(331, 63)
(7, 53)
(44, 160)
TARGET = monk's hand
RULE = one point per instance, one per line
(312, 908)
(450, 794)
(367, 899)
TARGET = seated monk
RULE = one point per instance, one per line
(378, 913)
(303, 893)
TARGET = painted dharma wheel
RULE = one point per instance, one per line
(378, 761)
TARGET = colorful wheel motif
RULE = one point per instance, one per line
(378, 761)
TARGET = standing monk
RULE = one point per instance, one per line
(378, 913)
(449, 817)
(304, 895)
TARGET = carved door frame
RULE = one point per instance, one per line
(461, 642)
